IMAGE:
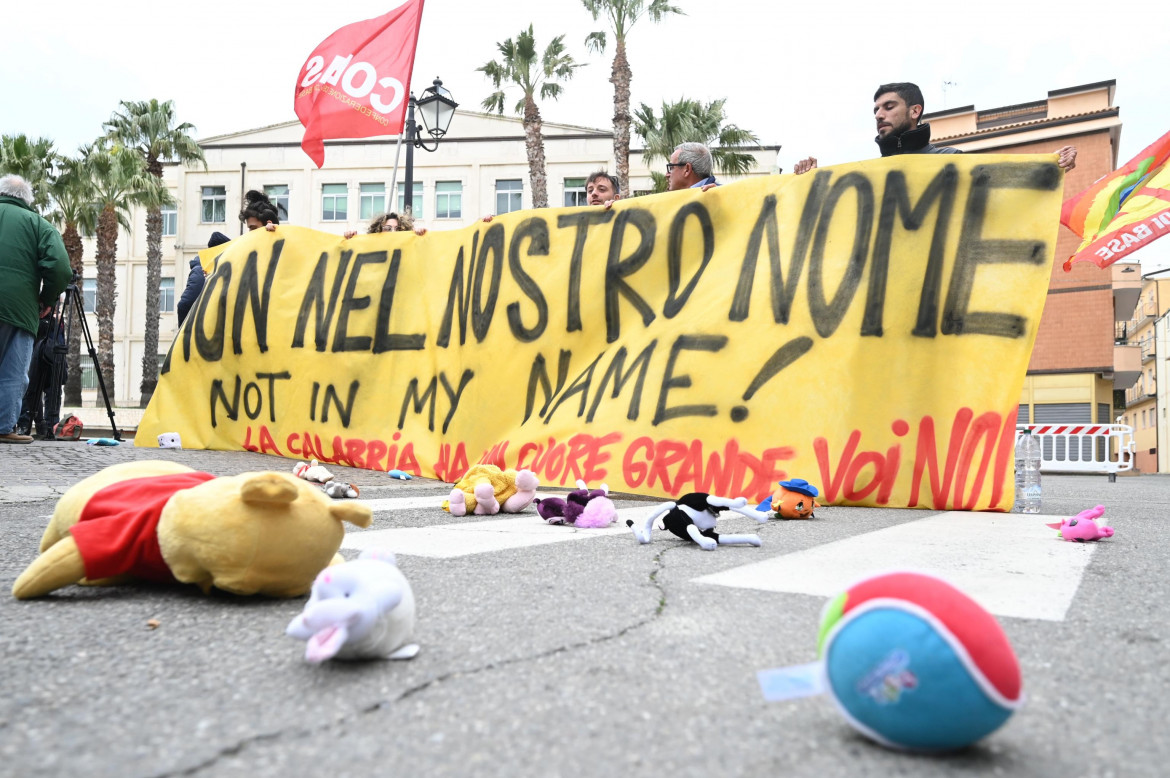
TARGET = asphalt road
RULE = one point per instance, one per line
(596, 657)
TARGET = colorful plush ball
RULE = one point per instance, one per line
(915, 664)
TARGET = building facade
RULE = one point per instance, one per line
(1143, 411)
(479, 168)
(1076, 364)
(1162, 390)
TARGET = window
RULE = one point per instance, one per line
(166, 295)
(373, 200)
(509, 193)
(416, 204)
(449, 200)
(278, 194)
(334, 202)
(170, 221)
(88, 374)
(214, 205)
(575, 192)
(1143, 419)
(89, 294)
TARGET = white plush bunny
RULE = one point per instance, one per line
(363, 609)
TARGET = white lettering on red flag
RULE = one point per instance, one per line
(356, 82)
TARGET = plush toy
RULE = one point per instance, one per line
(915, 664)
(693, 518)
(486, 489)
(583, 507)
(170, 440)
(793, 499)
(362, 609)
(312, 472)
(1084, 526)
(254, 533)
(338, 490)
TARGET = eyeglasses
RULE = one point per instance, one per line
(672, 165)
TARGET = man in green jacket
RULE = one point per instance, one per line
(34, 270)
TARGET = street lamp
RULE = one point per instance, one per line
(437, 108)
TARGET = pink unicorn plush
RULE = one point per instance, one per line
(1084, 526)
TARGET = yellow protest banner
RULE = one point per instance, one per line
(866, 327)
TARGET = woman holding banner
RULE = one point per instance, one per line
(390, 222)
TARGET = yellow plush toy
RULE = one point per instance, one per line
(255, 533)
(486, 489)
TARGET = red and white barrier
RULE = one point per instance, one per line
(1083, 448)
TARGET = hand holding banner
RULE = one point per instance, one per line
(355, 84)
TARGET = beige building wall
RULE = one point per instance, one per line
(1143, 411)
(1065, 389)
(479, 150)
(1162, 390)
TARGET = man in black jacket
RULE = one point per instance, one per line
(195, 279)
(897, 108)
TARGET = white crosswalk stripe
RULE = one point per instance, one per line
(1010, 564)
(403, 503)
(1013, 565)
(444, 541)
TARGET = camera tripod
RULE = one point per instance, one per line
(53, 383)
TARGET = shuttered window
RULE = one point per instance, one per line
(1068, 413)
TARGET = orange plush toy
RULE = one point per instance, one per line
(793, 499)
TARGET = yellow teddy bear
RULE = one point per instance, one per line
(486, 490)
(255, 533)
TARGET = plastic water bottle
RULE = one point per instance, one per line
(1027, 473)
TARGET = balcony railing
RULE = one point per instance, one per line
(1120, 333)
(1135, 397)
(1143, 313)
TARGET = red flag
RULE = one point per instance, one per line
(356, 83)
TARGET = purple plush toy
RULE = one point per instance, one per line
(1084, 526)
(582, 507)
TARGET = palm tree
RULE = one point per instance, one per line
(73, 195)
(622, 15)
(120, 180)
(32, 160)
(148, 127)
(689, 120)
(519, 65)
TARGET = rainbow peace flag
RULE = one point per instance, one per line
(1124, 210)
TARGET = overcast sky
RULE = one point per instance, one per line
(798, 75)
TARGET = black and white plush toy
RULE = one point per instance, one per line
(693, 518)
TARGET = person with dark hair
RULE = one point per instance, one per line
(897, 111)
(897, 107)
(196, 278)
(41, 408)
(601, 189)
(258, 211)
(389, 222)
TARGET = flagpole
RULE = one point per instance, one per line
(394, 186)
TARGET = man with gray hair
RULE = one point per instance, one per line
(35, 269)
(689, 168)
